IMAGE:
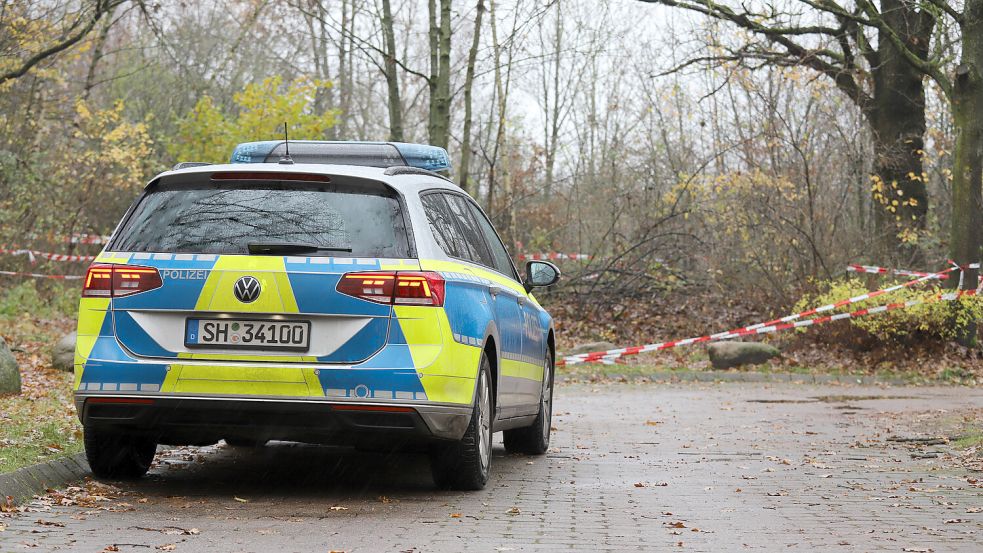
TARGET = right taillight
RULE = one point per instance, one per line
(400, 288)
(105, 280)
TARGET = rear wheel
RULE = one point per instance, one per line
(535, 439)
(463, 465)
(118, 456)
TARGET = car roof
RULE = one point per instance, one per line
(403, 181)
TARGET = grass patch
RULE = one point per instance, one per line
(40, 423)
(973, 438)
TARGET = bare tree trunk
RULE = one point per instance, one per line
(897, 119)
(500, 99)
(315, 20)
(392, 78)
(468, 84)
(433, 38)
(344, 69)
(438, 122)
(553, 128)
(967, 185)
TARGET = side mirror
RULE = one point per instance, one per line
(540, 274)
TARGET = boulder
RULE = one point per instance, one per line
(9, 373)
(590, 347)
(724, 355)
(63, 356)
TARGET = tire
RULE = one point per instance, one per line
(463, 465)
(245, 442)
(535, 439)
(117, 456)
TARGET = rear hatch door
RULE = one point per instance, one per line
(249, 264)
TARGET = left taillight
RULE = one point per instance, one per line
(104, 280)
(397, 287)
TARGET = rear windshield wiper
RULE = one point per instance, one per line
(290, 247)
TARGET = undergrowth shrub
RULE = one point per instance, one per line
(931, 321)
(46, 300)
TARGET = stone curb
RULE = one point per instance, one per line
(24, 483)
(727, 376)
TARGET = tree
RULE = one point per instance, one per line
(468, 87)
(392, 77)
(875, 75)
(964, 90)
(207, 134)
(439, 124)
(27, 41)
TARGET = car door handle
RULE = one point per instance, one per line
(522, 300)
(495, 290)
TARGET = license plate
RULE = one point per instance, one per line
(247, 334)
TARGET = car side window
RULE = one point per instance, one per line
(477, 249)
(445, 232)
(500, 256)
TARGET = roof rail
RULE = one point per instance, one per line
(407, 170)
(186, 164)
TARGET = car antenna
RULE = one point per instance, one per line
(285, 158)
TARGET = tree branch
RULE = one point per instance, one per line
(101, 9)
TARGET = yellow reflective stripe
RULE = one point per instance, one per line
(113, 257)
(208, 379)
(276, 296)
(459, 267)
(521, 369)
(92, 315)
(448, 389)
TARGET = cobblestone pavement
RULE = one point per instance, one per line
(725, 467)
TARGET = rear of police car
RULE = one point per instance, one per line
(251, 302)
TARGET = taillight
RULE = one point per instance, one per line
(106, 280)
(98, 282)
(400, 288)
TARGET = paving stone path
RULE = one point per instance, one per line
(633, 467)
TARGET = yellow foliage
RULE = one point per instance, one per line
(208, 134)
(933, 319)
(107, 151)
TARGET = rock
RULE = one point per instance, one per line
(590, 347)
(724, 355)
(63, 356)
(9, 373)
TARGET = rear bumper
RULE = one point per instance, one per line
(178, 420)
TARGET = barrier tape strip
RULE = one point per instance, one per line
(885, 270)
(80, 238)
(900, 272)
(32, 254)
(554, 256)
(36, 275)
(608, 357)
(760, 328)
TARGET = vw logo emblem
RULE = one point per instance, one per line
(247, 289)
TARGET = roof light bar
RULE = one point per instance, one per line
(366, 154)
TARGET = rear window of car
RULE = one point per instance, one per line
(225, 218)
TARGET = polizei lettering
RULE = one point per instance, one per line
(184, 274)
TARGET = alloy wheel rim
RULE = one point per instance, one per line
(547, 400)
(484, 418)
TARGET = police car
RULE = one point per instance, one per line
(345, 293)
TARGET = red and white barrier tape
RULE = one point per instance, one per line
(771, 326)
(36, 275)
(33, 254)
(554, 256)
(80, 238)
(885, 270)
